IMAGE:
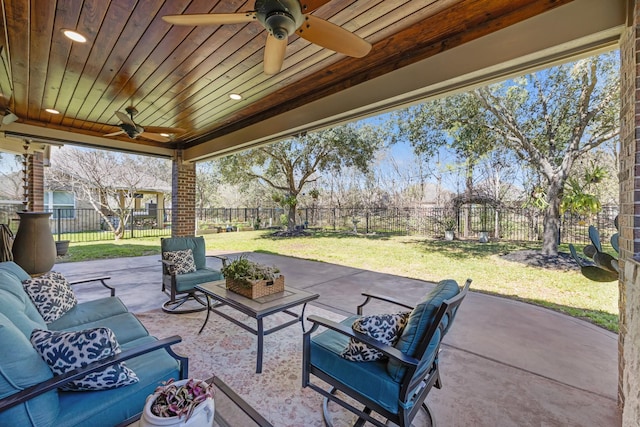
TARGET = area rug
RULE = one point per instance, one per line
(477, 391)
(229, 352)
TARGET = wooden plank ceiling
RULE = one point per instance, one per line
(180, 76)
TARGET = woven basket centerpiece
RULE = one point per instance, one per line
(258, 288)
(251, 279)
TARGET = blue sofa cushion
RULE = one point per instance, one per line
(15, 269)
(21, 367)
(196, 244)
(125, 326)
(17, 306)
(370, 379)
(419, 321)
(186, 282)
(109, 407)
(385, 328)
(88, 312)
(182, 261)
(66, 351)
(51, 294)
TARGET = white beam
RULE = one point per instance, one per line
(21, 131)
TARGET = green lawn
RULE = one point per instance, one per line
(423, 259)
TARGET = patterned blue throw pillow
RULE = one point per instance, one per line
(51, 294)
(385, 328)
(183, 262)
(66, 351)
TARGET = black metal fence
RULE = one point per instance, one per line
(512, 224)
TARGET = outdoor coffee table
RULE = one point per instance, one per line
(231, 410)
(258, 308)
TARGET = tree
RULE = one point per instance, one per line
(289, 165)
(548, 120)
(552, 118)
(106, 180)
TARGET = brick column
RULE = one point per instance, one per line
(36, 182)
(629, 223)
(183, 197)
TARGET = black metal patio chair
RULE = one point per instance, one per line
(183, 267)
(396, 385)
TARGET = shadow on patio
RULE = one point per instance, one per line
(505, 363)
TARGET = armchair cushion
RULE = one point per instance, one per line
(186, 282)
(385, 328)
(370, 379)
(51, 294)
(66, 351)
(419, 320)
(196, 244)
(183, 261)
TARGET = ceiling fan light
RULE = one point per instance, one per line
(235, 96)
(166, 135)
(281, 24)
(75, 36)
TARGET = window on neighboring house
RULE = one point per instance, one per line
(61, 203)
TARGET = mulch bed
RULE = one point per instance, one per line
(563, 261)
(290, 233)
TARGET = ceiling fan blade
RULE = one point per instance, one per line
(274, 55)
(210, 18)
(308, 6)
(159, 129)
(120, 132)
(154, 137)
(124, 118)
(331, 36)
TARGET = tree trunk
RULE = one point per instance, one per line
(551, 222)
(291, 225)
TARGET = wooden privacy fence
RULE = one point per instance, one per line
(504, 223)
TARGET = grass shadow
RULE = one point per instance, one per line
(471, 249)
(316, 234)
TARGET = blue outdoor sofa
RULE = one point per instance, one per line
(29, 391)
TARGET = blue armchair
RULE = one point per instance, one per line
(180, 286)
(397, 385)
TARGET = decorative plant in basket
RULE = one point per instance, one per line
(189, 402)
(252, 279)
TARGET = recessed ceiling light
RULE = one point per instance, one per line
(52, 111)
(75, 36)
(235, 96)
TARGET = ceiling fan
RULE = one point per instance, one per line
(282, 18)
(131, 129)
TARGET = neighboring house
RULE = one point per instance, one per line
(72, 213)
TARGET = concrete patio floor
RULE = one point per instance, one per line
(504, 363)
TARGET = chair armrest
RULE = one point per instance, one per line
(100, 279)
(387, 350)
(60, 380)
(381, 298)
(222, 258)
(168, 267)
